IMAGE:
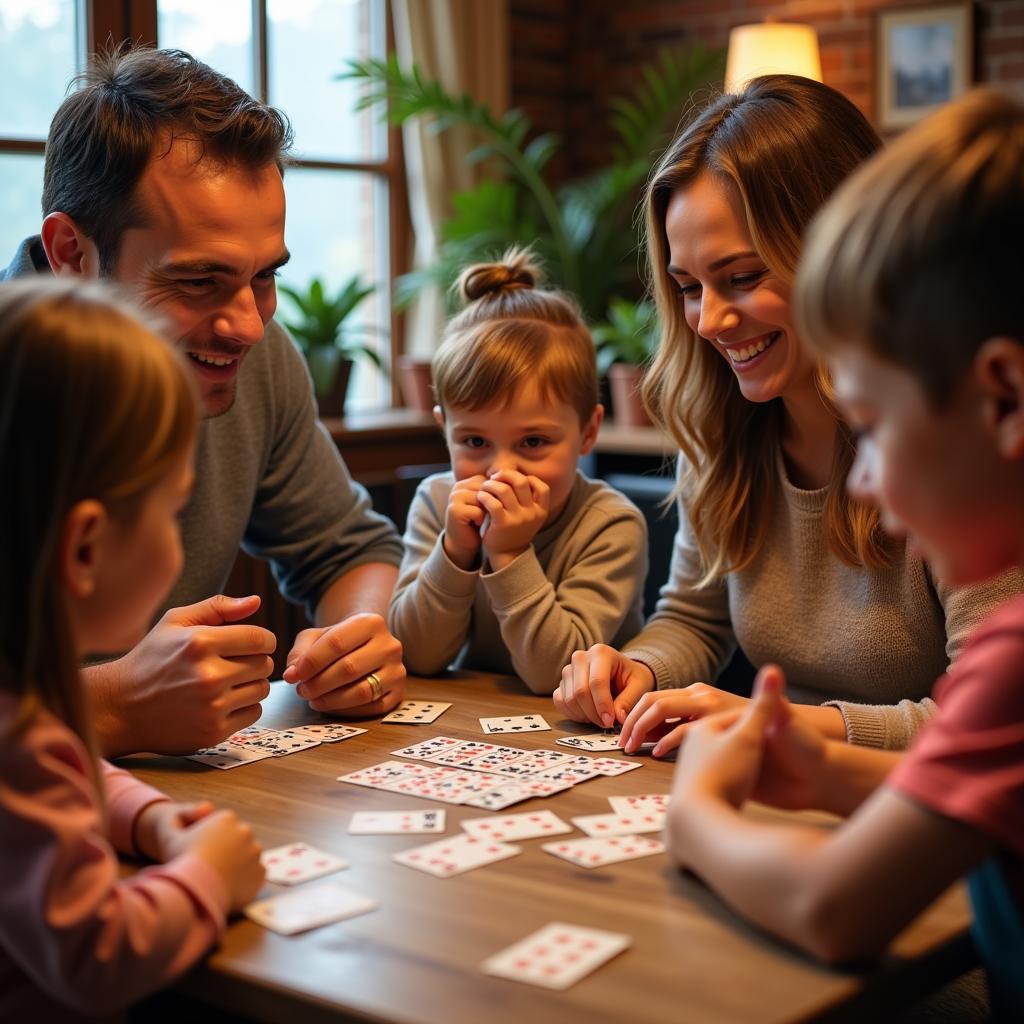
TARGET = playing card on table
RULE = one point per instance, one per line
(595, 853)
(446, 791)
(328, 733)
(515, 723)
(613, 765)
(249, 735)
(500, 797)
(297, 862)
(557, 955)
(496, 757)
(416, 712)
(595, 741)
(630, 823)
(449, 857)
(285, 741)
(386, 823)
(309, 907)
(465, 751)
(572, 773)
(643, 801)
(377, 774)
(228, 755)
(537, 785)
(517, 826)
(428, 748)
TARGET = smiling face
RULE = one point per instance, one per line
(729, 295)
(531, 434)
(206, 260)
(936, 476)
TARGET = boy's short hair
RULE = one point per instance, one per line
(512, 332)
(917, 256)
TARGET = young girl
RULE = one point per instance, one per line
(771, 553)
(97, 424)
(515, 558)
(910, 286)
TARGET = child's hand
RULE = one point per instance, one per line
(462, 522)
(228, 846)
(654, 716)
(517, 507)
(159, 826)
(723, 754)
(601, 685)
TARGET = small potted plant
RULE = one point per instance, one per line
(625, 342)
(329, 342)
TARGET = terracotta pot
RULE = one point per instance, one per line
(414, 381)
(624, 383)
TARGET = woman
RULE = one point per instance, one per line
(771, 551)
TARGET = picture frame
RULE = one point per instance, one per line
(924, 57)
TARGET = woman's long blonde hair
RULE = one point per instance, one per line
(783, 144)
(93, 404)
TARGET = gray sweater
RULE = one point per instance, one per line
(869, 642)
(579, 583)
(268, 478)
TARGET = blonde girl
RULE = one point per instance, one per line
(97, 427)
(771, 553)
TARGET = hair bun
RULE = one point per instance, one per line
(516, 270)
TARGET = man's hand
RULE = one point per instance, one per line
(462, 522)
(601, 685)
(517, 507)
(195, 678)
(331, 666)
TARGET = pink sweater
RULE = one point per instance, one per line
(71, 933)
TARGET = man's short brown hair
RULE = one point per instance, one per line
(129, 102)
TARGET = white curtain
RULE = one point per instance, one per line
(464, 44)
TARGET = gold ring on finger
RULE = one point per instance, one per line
(376, 686)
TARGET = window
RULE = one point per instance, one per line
(344, 192)
(339, 190)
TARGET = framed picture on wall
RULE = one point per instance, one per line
(923, 58)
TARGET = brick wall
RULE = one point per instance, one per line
(570, 56)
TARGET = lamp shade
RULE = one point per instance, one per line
(770, 48)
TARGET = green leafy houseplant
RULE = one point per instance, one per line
(583, 230)
(629, 335)
(329, 342)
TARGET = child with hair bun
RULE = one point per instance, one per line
(515, 559)
(98, 420)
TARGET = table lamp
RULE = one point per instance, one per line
(768, 48)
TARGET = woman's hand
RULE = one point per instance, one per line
(600, 685)
(656, 716)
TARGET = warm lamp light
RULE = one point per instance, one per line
(770, 48)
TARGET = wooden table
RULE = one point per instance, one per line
(416, 958)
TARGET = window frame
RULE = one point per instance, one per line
(108, 22)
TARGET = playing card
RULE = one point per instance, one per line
(644, 801)
(516, 826)
(464, 752)
(613, 765)
(556, 956)
(595, 853)
(297, 862)
(377, 774)
(249, 735)
(308, 907)
(595, 741)
(515, 723)
(500, 797)
(328, 733)
(428, 748)
(496, 757)
(630, 823)
(386, 823)
(284, 742)
(416, 712)
(228, 755)
(571, 773)
(536, 785)
(449, 857)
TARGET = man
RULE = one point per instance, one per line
(166, 177)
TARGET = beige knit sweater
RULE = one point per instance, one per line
(579, 583)
(869, 642)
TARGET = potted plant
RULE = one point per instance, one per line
(327, 340)
(583, 230)
(625, 342)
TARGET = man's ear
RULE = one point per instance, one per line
(68, 248)
(591, 429)
(78, 553)
(999, 369)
